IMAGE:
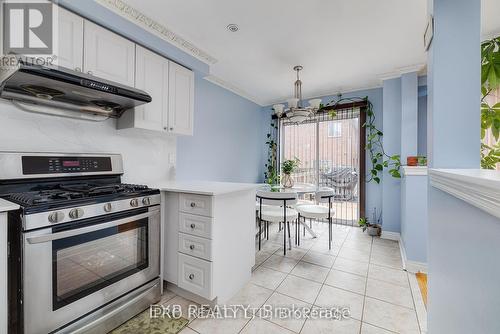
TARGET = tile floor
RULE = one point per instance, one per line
(360, 272)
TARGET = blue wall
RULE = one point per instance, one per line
(373, 190)
(226, 145)
(391, 187)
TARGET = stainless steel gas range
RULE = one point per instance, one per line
(84, 248)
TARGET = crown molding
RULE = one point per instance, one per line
(134, 15)
(233, 88)
(389, 75)
(478, 187)
(412, 68)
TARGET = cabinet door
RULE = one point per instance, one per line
(152, 77)
(180, 100)
(107, 55)
(69, 50)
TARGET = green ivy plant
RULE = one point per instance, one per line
(490, 114)
(379, 159)
(271, 174)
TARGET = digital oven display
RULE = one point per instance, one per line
(71, 163)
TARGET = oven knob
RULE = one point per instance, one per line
(108, 207)
(76, 213)
(56, 217)
(134, 202)
(146, 201)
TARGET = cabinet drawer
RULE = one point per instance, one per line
(196, 204)
(195, 225)
(195, 275)
(195, 246)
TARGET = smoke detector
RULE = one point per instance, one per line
(232, 27)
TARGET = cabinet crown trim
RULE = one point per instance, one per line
(146, 22)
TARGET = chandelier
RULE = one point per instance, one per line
(295, 112)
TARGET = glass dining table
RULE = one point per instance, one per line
(301, 189)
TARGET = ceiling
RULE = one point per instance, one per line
(343, 45)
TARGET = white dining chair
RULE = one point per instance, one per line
(275, 207)
(317, 211)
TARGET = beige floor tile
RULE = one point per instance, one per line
(346, 281)
(389, 316)
(310, 271)
(294, 253)
(329, 326)
(384, 250)
(300, 288)
(261, 326)
(167, 295)
(353, 267)
(280, 263)
(292, 323)
(389, 292)
(387, 261)
(319, 259)
(251, 295)
(334, 297)
(354, 254)
(370, 329)
(267, 278)
(322, 248)
(386, 242)
(394, 276)
(364, 244)
(262, 256)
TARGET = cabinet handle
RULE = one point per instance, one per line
(90, 72)
(191, 247)
(78, 69)
(171, 129)
(164, 128)
(193, 226)
(191, 276)
(193, 204)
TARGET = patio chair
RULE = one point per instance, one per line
(317, 211)
(274, 208)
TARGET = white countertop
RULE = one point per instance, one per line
(7, 206)
(210, 188)
(479, 187)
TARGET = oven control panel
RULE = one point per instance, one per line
(65, 164)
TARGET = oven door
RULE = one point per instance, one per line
(70, 271)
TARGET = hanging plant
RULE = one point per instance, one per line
(379, 159)
(490, 114)
(271, 173)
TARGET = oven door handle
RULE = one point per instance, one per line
(60, 235)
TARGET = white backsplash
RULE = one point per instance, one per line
(145, 154)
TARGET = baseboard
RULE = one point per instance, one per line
(390, 235)
(411, 266)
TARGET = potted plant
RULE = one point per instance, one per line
(287, 168)
(373, 229)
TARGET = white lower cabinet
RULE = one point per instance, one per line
(195, 276)
(209, 247)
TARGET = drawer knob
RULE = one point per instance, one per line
(191, 276)
(193, 226)
(191, 247)
(193, 204)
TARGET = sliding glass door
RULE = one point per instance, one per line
(328, 149)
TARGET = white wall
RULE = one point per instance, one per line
(145, 154)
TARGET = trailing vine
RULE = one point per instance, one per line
(379, 159)
(271, 173)
(490, 114)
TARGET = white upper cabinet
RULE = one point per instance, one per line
(69, 50)
(180, 100)
(108, 55)
(151, 77)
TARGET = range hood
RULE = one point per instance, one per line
(64, 90)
